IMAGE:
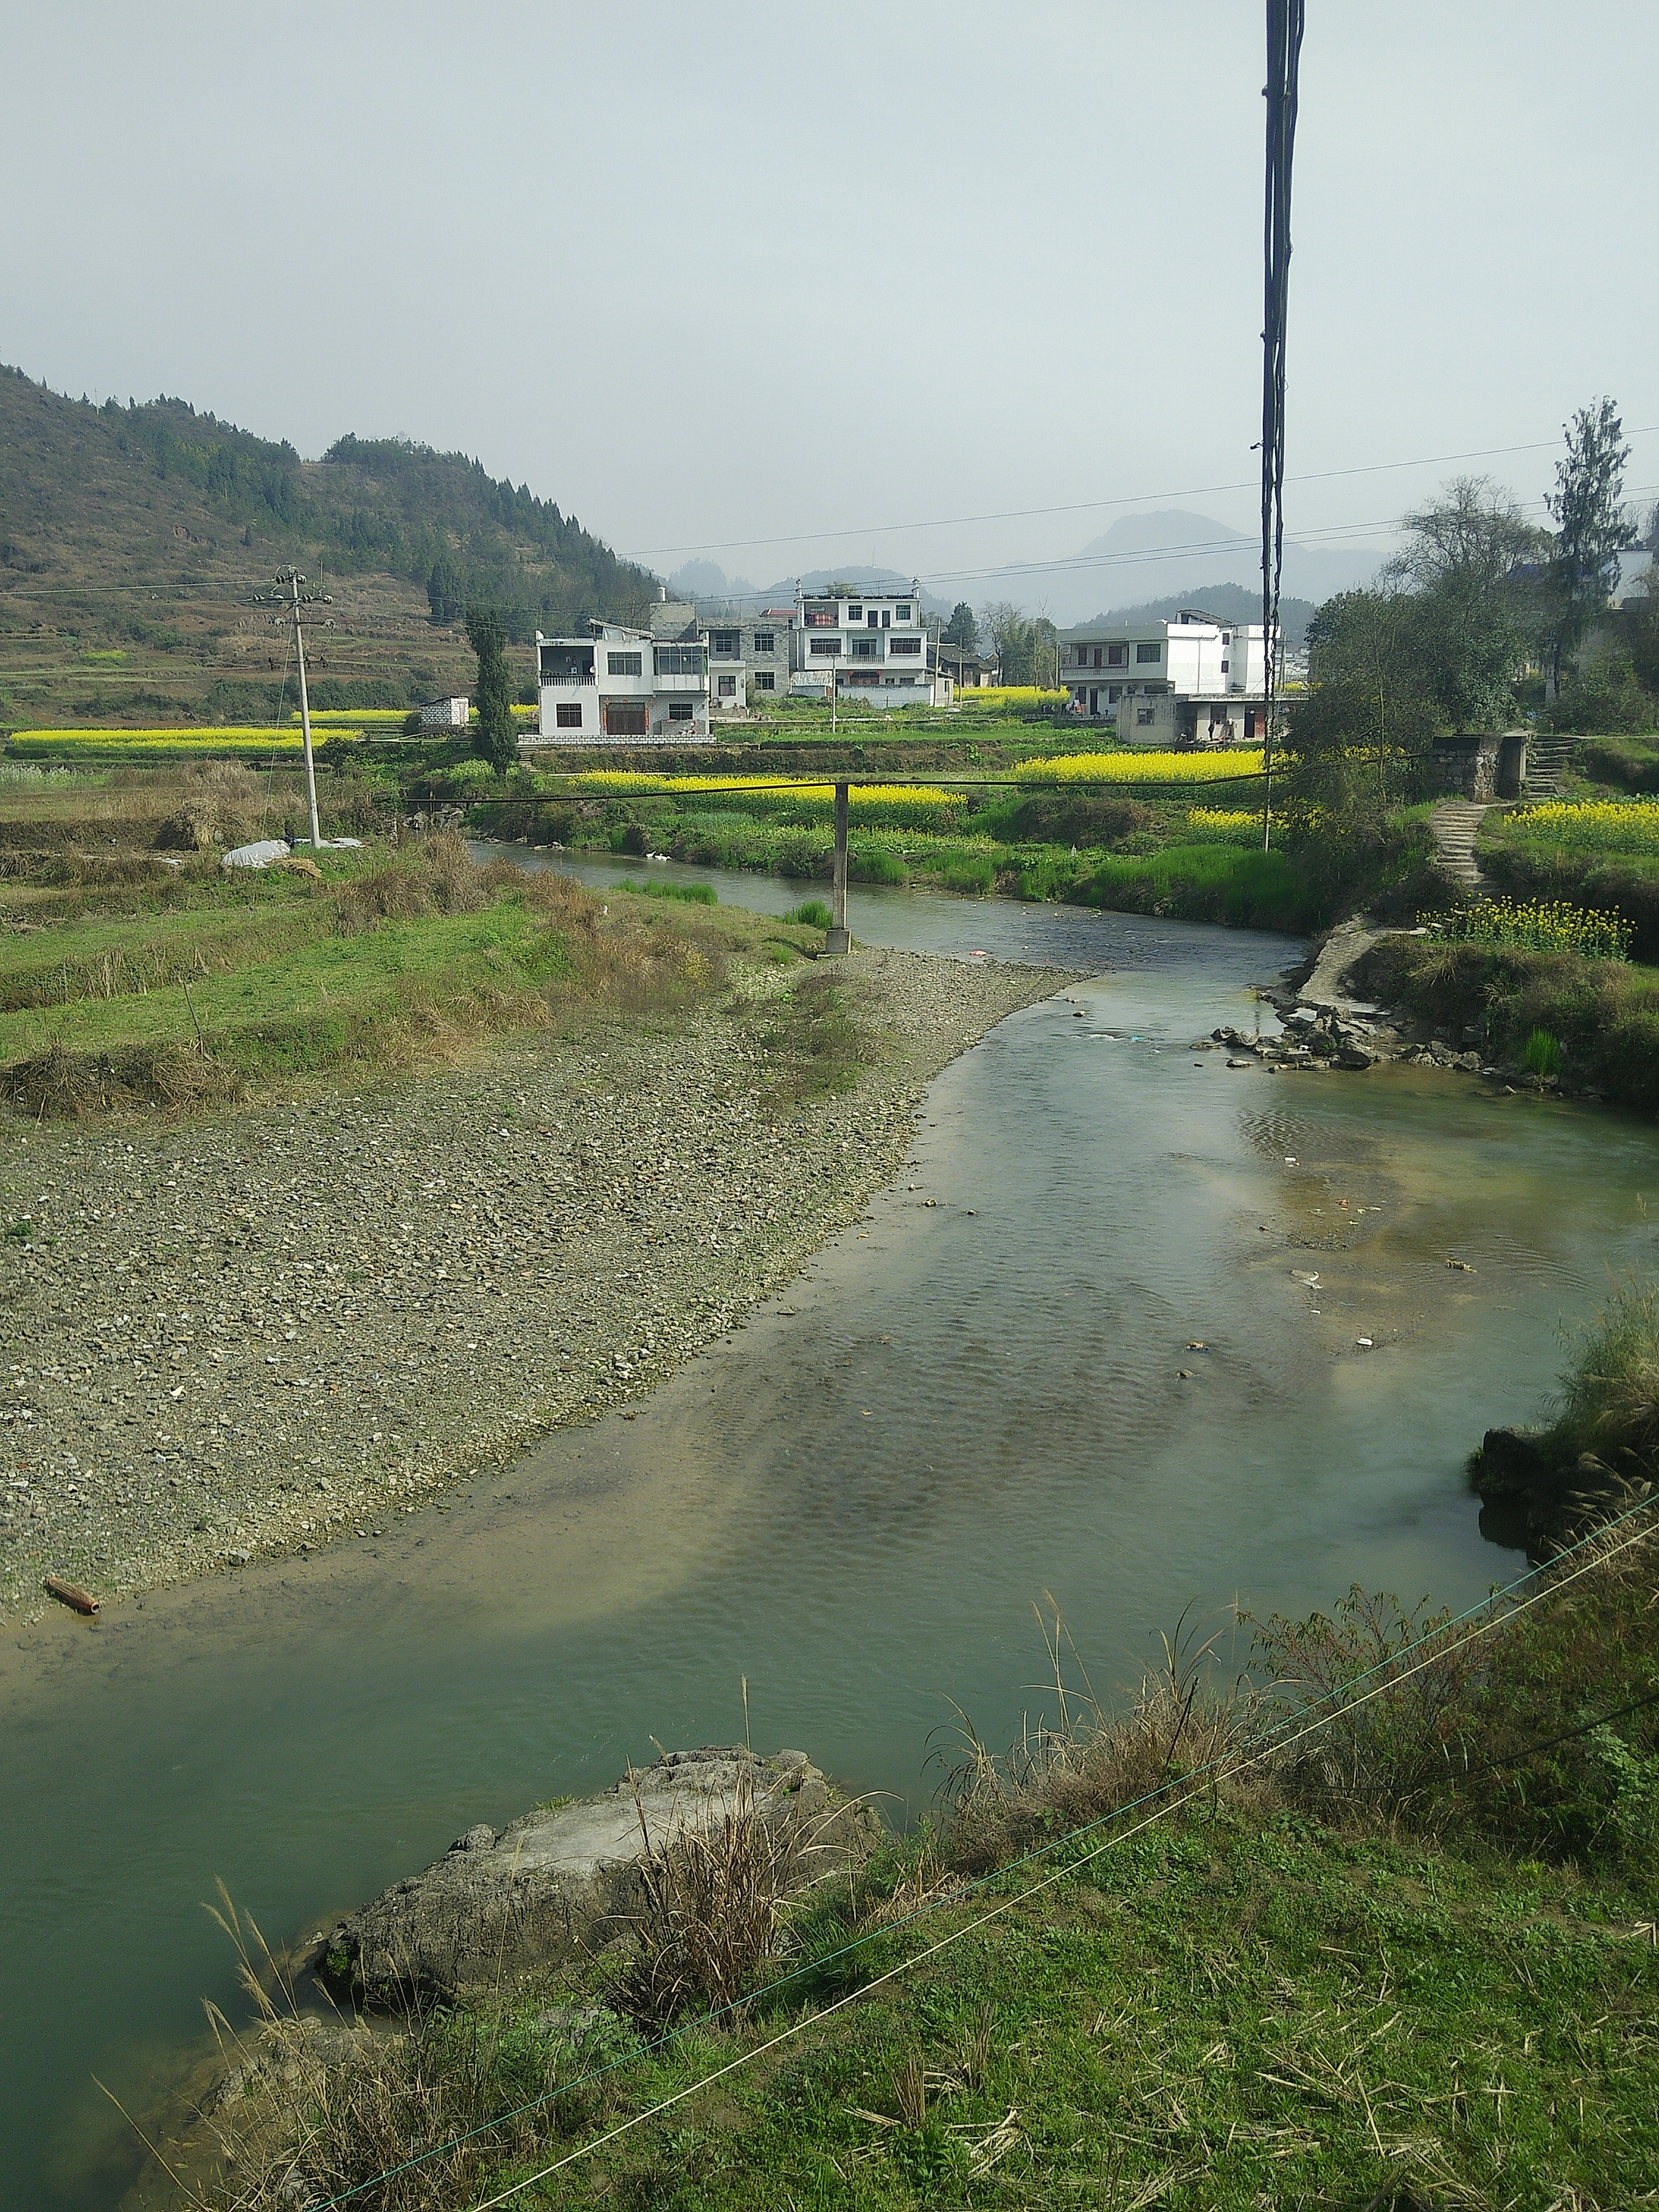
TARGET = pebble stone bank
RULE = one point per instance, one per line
(255, 1332)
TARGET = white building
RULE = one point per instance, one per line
(622, 683)
(445, 714)
(872, 647)
(1192, 680)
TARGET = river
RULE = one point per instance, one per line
(972, 1397)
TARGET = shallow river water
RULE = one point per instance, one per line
(852, 1502)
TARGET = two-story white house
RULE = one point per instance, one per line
(618, 682)
(873, 647)
(1192, 680)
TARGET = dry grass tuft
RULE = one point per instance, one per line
(218, 804)
(712, 1899)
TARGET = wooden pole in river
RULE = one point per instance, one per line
(837, 939)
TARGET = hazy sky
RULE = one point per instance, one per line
(763, 282)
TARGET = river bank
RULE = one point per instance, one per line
(260, 1331)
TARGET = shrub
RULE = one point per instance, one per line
(1541, 1054)
(813, 913)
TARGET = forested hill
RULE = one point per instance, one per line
(132, 539)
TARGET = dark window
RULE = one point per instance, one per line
(680, 660)
(1145, 716)
(623, 718)
(896, 646)
(679, 710)
(855, 614)
(725, 644)
(905, 614)
(625, 663)
(1117, 656)
(1144, 652)
(1249, 724)
(886, 619)
(1224, 667)
(865, 648)
(569, 715)
(764, 680)
(821, 647)
(728, 687)
(1113, 693)
(765, 641)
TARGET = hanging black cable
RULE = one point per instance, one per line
(1283, 56)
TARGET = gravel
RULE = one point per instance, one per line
(265, 1330)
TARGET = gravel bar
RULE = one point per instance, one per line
(263, 1330)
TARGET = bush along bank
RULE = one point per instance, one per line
(1598, 1455)
(1277, 1939)
(1587, 1027)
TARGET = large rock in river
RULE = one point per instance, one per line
(557, 1882)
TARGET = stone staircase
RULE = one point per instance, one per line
(1547, 760)
(1456, 822)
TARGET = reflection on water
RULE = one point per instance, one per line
(852, 1501)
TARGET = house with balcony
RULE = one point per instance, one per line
(750, 659)
(619, 685)
(876, 647)
(1190, 682)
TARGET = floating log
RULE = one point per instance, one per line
(71, 1594)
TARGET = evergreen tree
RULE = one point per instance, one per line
(1592, 528)
(497, 740)
(963, 628)
(443, 590)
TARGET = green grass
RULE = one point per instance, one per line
(692, 894)
(1218, 2015)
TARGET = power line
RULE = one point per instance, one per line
(1094, 506)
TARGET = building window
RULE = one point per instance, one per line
(728, 687)
(886, 619)
(1117, 656)
(1113, 693)
(1226, 637)
(680, 660)
(866, 647)
(1146, 652)
(821, 648)
(725, 644)
(764, 680)
(821, 619)
(1249, 725)
(680, 710)
(1224, 667)
(765, 641)
(625, 663)
(896, 646)
(855, 614)
(1145, 716)
(905, 614)
(568, 716)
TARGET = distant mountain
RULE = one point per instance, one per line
(1141, 555)
(707, 579)
(1227, 603)
(133, 539)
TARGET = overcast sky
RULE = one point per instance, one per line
(792, 286)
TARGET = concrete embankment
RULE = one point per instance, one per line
(266, 1329)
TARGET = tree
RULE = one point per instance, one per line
(1029, 646)
(443, 589)
(497, 740)
(1471, 561)
(963, 628)
(1592, 528)
(1369, 671)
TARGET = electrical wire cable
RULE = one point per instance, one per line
(1204, 1779)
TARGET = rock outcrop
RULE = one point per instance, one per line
(1560, 1497)
(560, 1881)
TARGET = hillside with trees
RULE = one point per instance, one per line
(133, 538)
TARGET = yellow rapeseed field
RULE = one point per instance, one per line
(1223, 818)
(1144, 767)
(1536, 925)
(1592, 825)
(865, 798)
(193, 738)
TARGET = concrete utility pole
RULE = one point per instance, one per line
(837, 938)
(288, 592)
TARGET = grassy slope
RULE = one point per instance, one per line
(102, 507)
(1216, 2015)
(247, 978)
